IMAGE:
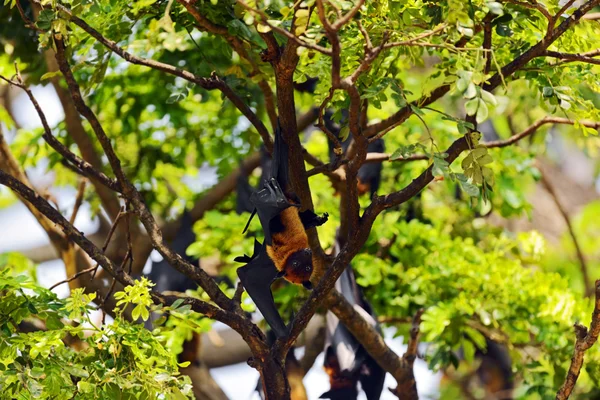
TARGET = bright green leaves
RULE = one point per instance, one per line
(474, 165)
(302, 16)
(407, 151)
(440, 165)
(378, 93)
(138, 295)
(45, 18)
(78, 304)
(119, 360)
(469, 288)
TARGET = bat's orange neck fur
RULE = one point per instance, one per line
(289, 241)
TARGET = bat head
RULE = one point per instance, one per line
(299, 267)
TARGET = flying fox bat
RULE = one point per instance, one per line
(346, 361)
(285, 252)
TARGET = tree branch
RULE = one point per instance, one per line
(506, 71)
(249, 331)
(587, 284)
(211, 83)
(584, 57)
(132, 194)
(585, 339)
(82, 165)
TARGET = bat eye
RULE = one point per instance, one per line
(307, 268)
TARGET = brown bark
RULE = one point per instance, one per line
(585, 339)
(274, 379)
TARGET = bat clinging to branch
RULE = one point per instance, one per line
(285, 251)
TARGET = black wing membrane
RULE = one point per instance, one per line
(244, 191)
(269, 203)
(257, 276)
(271, 200)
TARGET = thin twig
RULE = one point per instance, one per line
(564, 8)
(78, 200)
(414, 41)
(382, 157)
(86, 168)
(250, 332)
(588, 289)
(568, 57)
(264, 20)
(211, 83)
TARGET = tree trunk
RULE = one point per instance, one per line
(274, 380)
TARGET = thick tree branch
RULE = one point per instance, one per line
(585, 339)
(249, 331)
(132, 194)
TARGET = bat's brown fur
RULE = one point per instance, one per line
(284, 244)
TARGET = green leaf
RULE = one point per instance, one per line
(45, 18)
(488, 97)
(470, 189)
(344, 133)
(471, 106)
(495, 7)
(468, 350)
(485, 159)
(504, 30)
(176, 98)
(50, 75)
(482, 112)
(471, 91)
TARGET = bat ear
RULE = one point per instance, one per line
(307, 285)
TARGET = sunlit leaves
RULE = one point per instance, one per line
(137, 295)
(465, 285)
(119, 359)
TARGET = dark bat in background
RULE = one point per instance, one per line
(369, 175)
(285, 251)
(167, 278)
(346, 361)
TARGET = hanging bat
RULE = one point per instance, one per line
(346, 361)
(285, 252)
